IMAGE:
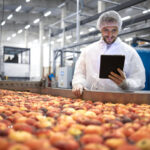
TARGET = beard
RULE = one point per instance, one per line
(109, 40)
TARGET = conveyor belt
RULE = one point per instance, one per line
(138, 97)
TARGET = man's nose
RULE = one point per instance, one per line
(109, 34)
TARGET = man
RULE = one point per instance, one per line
(86, 75)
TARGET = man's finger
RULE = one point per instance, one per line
(121, 72)
(117, 76)
(116, 80)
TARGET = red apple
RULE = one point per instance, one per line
(128, 147)
(91, 138)
(95, 146)
(18, 147)
(23, 127)
(114, 143)
(3, 143)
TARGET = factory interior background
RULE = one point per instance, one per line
(49, 34)
(40, 43)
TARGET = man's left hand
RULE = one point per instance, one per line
(118, 79)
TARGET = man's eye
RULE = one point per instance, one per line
(114, 30)
(105, 30)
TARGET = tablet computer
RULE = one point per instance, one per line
(110, 63)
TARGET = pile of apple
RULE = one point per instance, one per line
(30, 121)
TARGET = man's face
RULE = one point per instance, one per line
(109, 34)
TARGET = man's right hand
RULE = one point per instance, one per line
(77, 90)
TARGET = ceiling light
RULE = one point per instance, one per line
(36, 20)
(128, 39)
(27, 26)
(146, 11)
(3, 23)
(10, 16)
(69, 37)
(81, 32)
(47, 13)
(61, 5)
(44, 37)
(35, 41)
(52, 42)
(92, 29)
(27, 1)
(18, 8)
(9, 38)
(127, 28)
(13, 35)
(59, 40)
(30, 44)
(126, 18)
(19, 31)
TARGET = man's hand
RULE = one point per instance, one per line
(78, 90)
(118, 79)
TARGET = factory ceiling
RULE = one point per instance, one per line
(30, 11)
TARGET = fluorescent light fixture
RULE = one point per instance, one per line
(35, 41)
(14, 34)
(145, 35)
(52, 42)
(126, 18)
(27, 26)
(128, 39)
(92, 29)
(45, 44)
(9, 38)
(30, 44)
(47, 13)
(10, 16)
(127, 28)
(18, 8)
(3, 23)
(36, 20)
(61, 5)
(59, 40)
(69, 37)
(27, 1)
(146, 11)
(81, 32)
(19, 31)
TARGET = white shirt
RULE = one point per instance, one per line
(88, 66)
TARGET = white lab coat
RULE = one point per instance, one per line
(88, 65)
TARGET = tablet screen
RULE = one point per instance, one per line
(110, 63)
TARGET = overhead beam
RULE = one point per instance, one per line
(136, 29)
(123, 5)
(136, 19)
(48, 4)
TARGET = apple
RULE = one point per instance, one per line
(90, 129)
(63, 141)
(128, 147)
(74, 131)
(36, 144)
(143, 144)
(95, 146)
(68, 111)
(114, 143)
(23, 127)
(91, 138)
(18, 146)
(139, 135)
(43, 133)
(19, 136)
(3, 143)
